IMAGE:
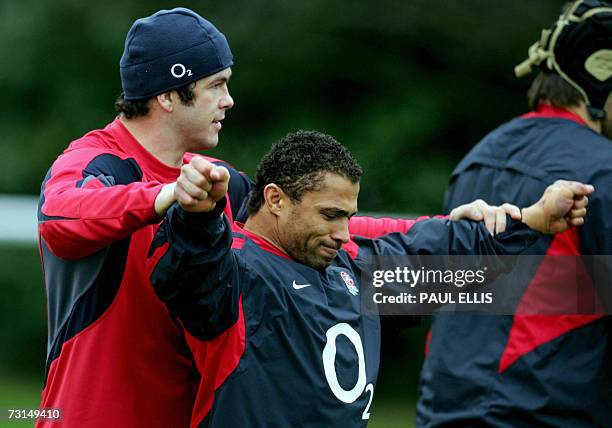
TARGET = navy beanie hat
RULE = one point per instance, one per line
(170, 49)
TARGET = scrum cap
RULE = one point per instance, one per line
(578, 47)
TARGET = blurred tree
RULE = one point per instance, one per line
(409, 86)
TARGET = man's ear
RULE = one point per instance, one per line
(275, 200)
(165, 101)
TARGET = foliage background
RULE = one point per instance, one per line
(408, 85)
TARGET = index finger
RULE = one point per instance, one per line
(201, 165)
(219, 173)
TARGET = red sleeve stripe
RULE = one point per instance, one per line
(216, 360)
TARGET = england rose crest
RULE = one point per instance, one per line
(350, 283)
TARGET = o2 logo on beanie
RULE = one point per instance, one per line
(178, 70)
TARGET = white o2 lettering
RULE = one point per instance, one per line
(179, 70)
(329, 366)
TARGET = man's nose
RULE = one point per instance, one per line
(341, 233)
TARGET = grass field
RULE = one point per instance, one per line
(389, 413)
(25, 394)
(18, 394)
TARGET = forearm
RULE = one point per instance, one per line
(373, 227)
(192, 270)
(472, 238)
(445, 237)
(434, 250)
(76, 222)
(90, 199)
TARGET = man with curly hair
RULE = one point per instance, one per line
(272, 307)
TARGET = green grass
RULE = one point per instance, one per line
(392, 413)
(18, 394)
(25, 394)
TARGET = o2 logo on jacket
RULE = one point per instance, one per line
(349, 282)
(329, 366)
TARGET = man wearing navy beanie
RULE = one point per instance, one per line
(115, 356)
(170, 49)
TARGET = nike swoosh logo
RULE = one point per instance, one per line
(298, 286)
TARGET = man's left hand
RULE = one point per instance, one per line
(493, 216)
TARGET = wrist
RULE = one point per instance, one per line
(533, 218)
(197, 217)
(165, 198)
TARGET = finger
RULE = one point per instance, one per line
(191, 189)
(581, 202)
(576, 187)
(183, 198)
(457, 213)
(576, 221)
(581, 212)
(201, 165)
(500, 220)
(471, 211)
(558, 199)
(466, 212)
(490, 217)
(218, 190)
(188, 172)
(452, 216)
(220, 182)
(219, 173)
(512, 210)
(475, 210)
(202, 196)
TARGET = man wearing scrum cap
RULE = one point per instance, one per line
(549, 364)
(115, 358)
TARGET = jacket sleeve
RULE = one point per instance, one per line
(440, 237)
(90, 199)
(194, 271)
(375, 227)
(445, 237)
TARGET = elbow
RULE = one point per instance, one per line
(64, 244)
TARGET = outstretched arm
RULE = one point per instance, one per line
(562, 205)
(91, 199)
(493, 217)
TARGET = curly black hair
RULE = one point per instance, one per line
(297, 163)
(136, 108)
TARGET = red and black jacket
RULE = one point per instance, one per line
(114, 356)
